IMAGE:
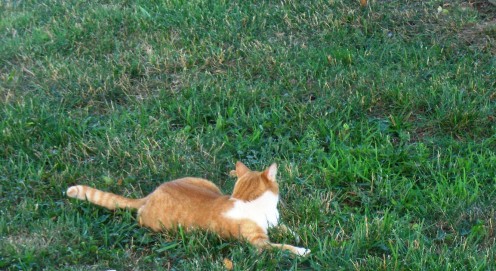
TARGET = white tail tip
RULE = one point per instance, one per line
(73, 191)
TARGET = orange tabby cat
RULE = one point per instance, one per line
(198, 203)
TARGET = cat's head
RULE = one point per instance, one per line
(252, 184)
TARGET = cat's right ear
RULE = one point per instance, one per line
(271, 172)
(241, 169)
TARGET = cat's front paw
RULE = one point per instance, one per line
(301, 251)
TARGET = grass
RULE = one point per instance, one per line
(382, 119)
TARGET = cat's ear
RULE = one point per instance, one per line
(241, 169)
(271, 172)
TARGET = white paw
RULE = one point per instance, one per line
(301, 251)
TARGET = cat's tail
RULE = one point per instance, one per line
(104, 199)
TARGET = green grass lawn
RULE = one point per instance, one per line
(382, 120)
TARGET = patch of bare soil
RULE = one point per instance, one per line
(482, 35)
(487, 8)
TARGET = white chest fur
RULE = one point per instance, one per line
(262, 210)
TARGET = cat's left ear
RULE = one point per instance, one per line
(271, 172)
(241, 169)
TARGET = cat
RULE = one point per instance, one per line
(198, 203)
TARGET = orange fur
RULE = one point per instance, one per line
(198, 203)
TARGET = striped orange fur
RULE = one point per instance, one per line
(198, 203)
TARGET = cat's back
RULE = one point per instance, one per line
(191, 187)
